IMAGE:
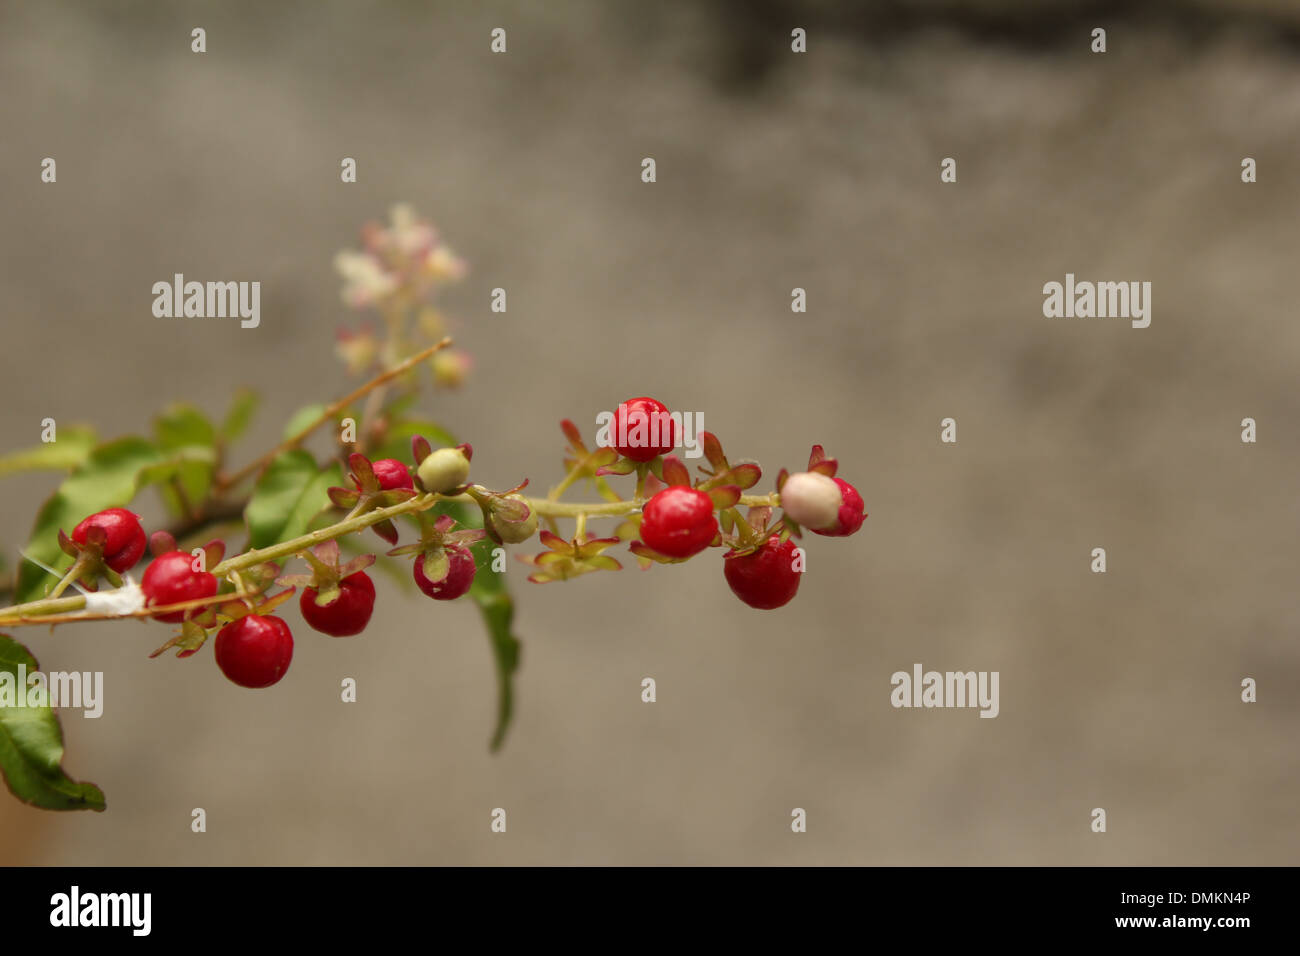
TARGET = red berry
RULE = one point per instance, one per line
(679, 522)
(642, 430)
(457, 581)
(851, 515)
(254, 651)
(171, 579)
(347, 614)
(125, 540)
(765, 578)
(392, 474)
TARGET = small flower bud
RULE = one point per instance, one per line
(443, 470)
(512, 519)
(450, 368)
(812, 499)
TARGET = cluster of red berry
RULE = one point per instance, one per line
(761, 565)
(255, 649)
(678, 520)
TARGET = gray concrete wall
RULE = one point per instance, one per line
(821, 171)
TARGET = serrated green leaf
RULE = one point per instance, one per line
(301, 419)
(70, 448)
(108, 478)
(242, 408)
(291, 492)
(31, 743)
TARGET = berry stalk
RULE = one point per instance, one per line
(44, 611)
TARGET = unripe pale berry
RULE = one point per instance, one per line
(443, 470)
(812, 499)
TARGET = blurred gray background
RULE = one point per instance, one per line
(774, 170)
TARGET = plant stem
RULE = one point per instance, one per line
(55, 607)
(74, 572)
(62, 610)
(558, 491)
(606, 509)
(45, 606)
(229, 481)
(557, 509)
(287, 549)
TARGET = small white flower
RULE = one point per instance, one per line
(365, 278)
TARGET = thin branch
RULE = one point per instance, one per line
(59, 610)
(229, 481)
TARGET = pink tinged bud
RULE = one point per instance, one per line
(451, 367)
(812, 499)
(358, 351)
(442, 263)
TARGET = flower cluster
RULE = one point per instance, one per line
(397, 274)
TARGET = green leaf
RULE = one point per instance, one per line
(69, 449)
(166, 468)
(242, 408)
(108, 478)
(315, 499)
(301, 419)
(189, 438)
(31, 743)
(291, 492)
(183, 425)
(497, 608)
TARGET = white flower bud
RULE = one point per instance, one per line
(812, 499)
